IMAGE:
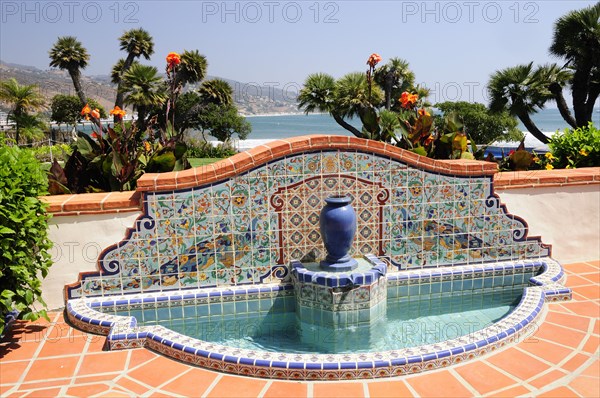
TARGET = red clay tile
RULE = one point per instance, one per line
(483, 377)
(580, 268)
(140, 356)
(545, 350)
(559, 334)
(570, 321)
(43, 369)
(133, 386)
(560, 392)
(586, 386)
(517, 363)
(593, 370)
(389, 388)
(158, 371)
(286, 389)
(591, 292)
(66, 346)
(113, 361)
(575, 363)
(576, 280)
(181, 386)
(428, 385)
(15, 351)
(512, 392)
(237, 387)
(338, 389)
(548, 378)
(87, 390)
(11, 372)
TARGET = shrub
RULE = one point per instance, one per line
(24, 241)
(204, 149)
(576, 148)
(60, 152)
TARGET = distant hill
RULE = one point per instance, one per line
(250, 98)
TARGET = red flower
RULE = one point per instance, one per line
(407, 100)
(118, 112)
(373, 60)
(173, 59)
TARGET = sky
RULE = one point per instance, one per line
(452, 46)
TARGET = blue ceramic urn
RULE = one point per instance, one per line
(338, 226)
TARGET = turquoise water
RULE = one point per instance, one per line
(272, 324)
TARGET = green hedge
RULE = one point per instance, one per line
(24, 242)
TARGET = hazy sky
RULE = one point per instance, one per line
(452, 47)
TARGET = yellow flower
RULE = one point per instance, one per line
(536, 159)
(549, 166)
(549, 156)
(583, 152)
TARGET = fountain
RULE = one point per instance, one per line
(339, 292)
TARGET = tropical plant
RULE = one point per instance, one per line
(24, 242)
(22, 99)
(521, 92)
(69, 54)
(394, 78)
(576, 148)
(192, 68)
(216, 91)
(479, 123)
(137, 43)
(143, 88)
(576, 40)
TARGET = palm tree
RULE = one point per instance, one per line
(556, 78)
(192, 68)
(519, 90)
(216, 91)
(577, 40)
(318, 95)
(69, 54)
(394, 77)
(143, 88)
(23, 98)
(137, 43)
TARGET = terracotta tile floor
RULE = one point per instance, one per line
(561, 359)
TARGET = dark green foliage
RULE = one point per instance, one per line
(24, 241)
(67, 109)
(576, 148)
(481, 125)
(222, 122)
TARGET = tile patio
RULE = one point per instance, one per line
(561, 359)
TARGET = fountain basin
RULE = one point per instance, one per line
(99, 315)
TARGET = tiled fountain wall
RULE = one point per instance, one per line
(243, 220)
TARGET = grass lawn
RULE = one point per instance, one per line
(195, 162)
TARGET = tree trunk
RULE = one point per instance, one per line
(557, 90)
(76, 77)
(120, 95)
(141, 120)
(580, 85)
(532, 128)
(389, 80)
(591, 100)
(347, 126)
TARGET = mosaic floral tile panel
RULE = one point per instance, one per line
(246, 229)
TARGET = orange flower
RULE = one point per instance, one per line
(95, 113)
(407, 100)
(147, 146)
(86, 110)
(118, 112)
(173, 59)
(423, 112)
(373, 60)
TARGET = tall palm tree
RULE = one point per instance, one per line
(143, 88)
(22, 98)
(192, 68)
(69, 54)
(519, 90)
(137, 43)
(352, 95)
(318, 95)
(216, 91)
(577, 40)
(394, 77)
(556, 78)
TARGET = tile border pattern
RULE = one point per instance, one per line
(519, 324)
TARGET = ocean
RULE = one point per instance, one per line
(268, 128)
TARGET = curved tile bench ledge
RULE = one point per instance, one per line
(123, 331)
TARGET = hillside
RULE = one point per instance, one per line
(250, 98)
